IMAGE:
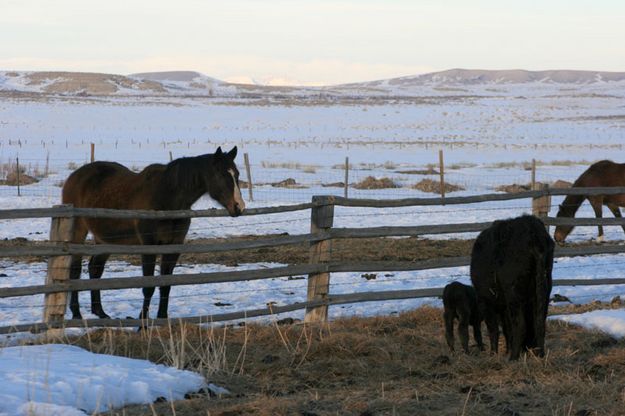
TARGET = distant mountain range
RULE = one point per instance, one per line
(189, 83)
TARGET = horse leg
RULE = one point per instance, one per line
(148, 263)
(79, 235)
(168, 262)
(74, 273)
(597, 206)
(96, 268)
(616, 211)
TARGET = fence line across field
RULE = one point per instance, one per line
(318, 270)
(68, 211)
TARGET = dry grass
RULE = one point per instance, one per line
(378, 366)
(288, 183)
(515, 188)
(429, 185)
(290, 165)
(374, 183)
(27, 174)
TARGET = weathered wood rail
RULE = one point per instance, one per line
(318, 270)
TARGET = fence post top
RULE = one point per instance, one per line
(324, 199)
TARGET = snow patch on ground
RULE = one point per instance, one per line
(66, 380)
(611, 322)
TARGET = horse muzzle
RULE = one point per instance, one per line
(235, 210)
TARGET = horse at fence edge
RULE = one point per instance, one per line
(604, 173)
(175, 186)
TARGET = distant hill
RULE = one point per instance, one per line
(97, 84)
(508, 76)
(191, 83)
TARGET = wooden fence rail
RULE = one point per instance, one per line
(321, 200)
(136, 282)
(50, 249)
(318, 270)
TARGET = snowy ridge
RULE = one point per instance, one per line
(190, 83)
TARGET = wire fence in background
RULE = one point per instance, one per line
(295, 182)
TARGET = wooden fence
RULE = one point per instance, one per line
(319, 269)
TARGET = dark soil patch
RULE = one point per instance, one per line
(288, 183)
(430, 171)
(334, 185)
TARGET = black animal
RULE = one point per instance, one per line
(460, 303)
(511, 265)
(175, 186)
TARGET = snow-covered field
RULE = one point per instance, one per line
(489, 134)
(486, 132)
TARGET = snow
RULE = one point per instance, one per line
(611, 322)
(66, 380)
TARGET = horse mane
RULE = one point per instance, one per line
(183, 178)
(185, 172)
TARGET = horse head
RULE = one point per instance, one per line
(223, 185)
(562, 231)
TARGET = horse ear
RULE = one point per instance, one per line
(218, 152)
(232, 153)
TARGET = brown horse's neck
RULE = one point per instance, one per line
(183, 183)
(570, 205)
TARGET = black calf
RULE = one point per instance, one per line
(460, 303)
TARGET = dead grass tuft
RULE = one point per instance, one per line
(371, 182)
(288, 183)
(515, 188)
(24, 179)
(428, 185)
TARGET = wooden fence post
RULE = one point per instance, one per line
(542, 204)
(346, 175)
(17, 173)
(441, 165)
(61, 231)
(249, 176)
(92, 152)
(321, 219)
(47, 170)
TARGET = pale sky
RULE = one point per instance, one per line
(310, 42)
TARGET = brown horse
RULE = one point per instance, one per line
(603, 173)
(175, 186)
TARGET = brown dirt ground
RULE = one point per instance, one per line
(383, 366)
(383, 249)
